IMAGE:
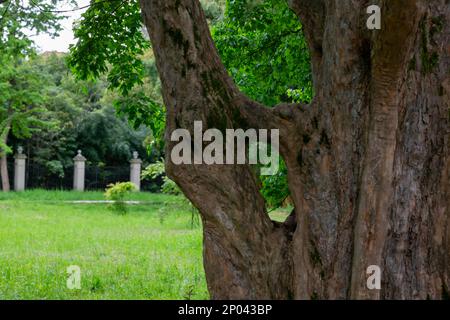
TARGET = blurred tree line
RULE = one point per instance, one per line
(76, 115)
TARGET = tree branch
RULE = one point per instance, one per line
(312, 17)
(191, 69)
(391, 49)
(196, 87)
(392, 44)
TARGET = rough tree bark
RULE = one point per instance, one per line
(4, 173)
(4, 163)
(368, 160)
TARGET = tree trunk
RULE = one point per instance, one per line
(368, 160)
(4, 165)
(4, 173)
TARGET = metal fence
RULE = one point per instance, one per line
(38, 176)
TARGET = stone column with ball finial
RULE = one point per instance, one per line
(19, 170)
(79, 166)
(135, 170)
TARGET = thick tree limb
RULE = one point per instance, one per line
(240, 240)
(392, 49)
(194, 63)
(312, 16)
(391, 46)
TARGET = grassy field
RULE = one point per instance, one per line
(153, 252)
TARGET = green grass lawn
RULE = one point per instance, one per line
(153, 252)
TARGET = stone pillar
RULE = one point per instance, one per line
(78, 172)
(19, 170)
(135, 170)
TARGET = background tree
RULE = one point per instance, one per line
(44, 109)
(21, 110)
(367, 159)
(85, 118)
(19, 96)
(261, 44)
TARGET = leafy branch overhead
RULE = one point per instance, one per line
(110, 40)
(36, 16)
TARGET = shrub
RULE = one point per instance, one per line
(156, 170)
(117, 192)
